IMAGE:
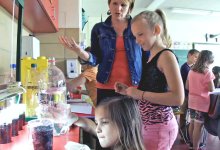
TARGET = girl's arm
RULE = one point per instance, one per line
(211, 86)
(86, 124)
(187, 84)
(74, 83)
(175, 95)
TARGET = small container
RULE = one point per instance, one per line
(5, 133)
(13, 115)
(15, 127)
(41, 134)
(5, 128)
(21, 118)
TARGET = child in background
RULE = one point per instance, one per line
(118, 124)
(185, 68)
(216, 72)
(87, 78)
(199, 83)
(161, 86)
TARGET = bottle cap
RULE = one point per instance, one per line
(12, 65)
(33, 65)
(51, 59)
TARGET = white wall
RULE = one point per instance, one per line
(70, 14)
(88, 27)
(179, 30)
(7, 45)
(189, 31)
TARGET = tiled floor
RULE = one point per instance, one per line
(213, 143)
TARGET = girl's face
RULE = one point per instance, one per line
(145, 35)
(107, 131)
(119, 9)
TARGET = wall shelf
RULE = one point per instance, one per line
(40, 16)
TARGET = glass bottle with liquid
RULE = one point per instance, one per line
(32, 91)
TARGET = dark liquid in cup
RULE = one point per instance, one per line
(5, 133)
(43, 138)
(15, 127)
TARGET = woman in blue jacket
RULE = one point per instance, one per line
(113, 49)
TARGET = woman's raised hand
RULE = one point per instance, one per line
(70, 43)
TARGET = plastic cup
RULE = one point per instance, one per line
(41, 134)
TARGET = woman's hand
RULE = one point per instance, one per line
(70, 44)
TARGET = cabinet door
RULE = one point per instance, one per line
(40, 16)
(51, 9)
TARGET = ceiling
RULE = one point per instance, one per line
(96, 8)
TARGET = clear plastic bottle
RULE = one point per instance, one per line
(11, 76)
(52, 85)
(52, 94)
(32, 91)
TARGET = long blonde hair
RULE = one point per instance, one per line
(153, 18)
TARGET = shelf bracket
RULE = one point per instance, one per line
(20, 4)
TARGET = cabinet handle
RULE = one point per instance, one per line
(53, 16)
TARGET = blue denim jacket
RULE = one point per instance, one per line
(103, 45)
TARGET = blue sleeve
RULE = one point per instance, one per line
(184, 73)
(95, 53)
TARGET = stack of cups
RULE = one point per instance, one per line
(12, 119)
(21, 111)
(15, 119)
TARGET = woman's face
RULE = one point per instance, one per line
(145, 35)
(107, 131)
(119, 9)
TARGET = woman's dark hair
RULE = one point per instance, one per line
(216, 72)
(205, 58)
(88, 49)
(216, 69)
(124, 113)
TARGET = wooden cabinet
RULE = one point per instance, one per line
(40, 16)
(51, 9)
